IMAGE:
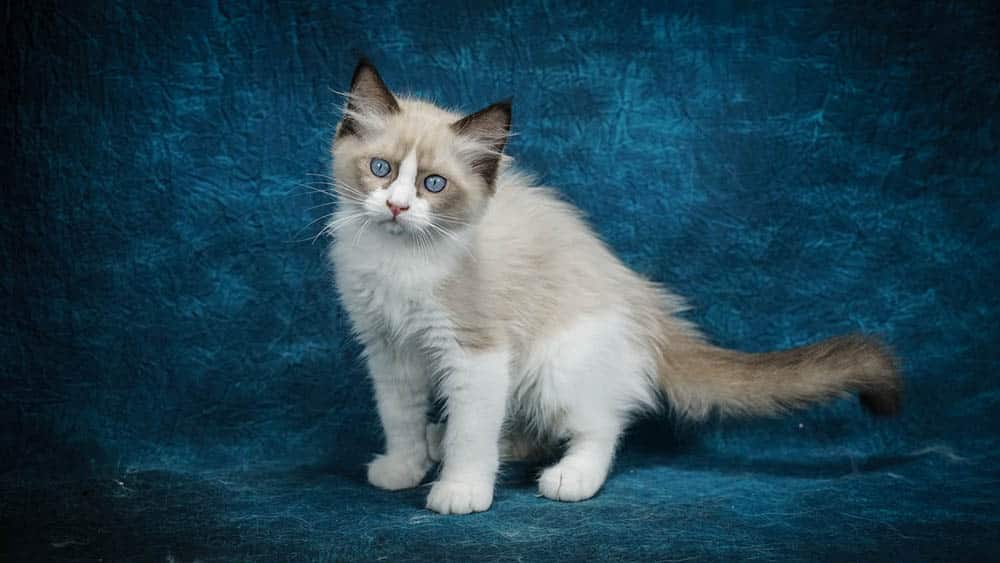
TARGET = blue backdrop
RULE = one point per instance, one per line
(178, 379)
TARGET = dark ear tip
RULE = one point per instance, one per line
(505, 107)
(364, 66)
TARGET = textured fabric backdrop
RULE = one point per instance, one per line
(178, 379)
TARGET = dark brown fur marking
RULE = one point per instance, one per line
(366, 84)
(492, 125)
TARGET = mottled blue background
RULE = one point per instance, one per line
(178, 379)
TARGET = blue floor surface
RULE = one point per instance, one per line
(178, 382)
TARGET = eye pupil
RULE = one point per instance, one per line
(380, 167)
(435, 183)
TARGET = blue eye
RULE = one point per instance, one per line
(380, 167)
(435, 183)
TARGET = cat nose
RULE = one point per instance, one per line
(395, 209)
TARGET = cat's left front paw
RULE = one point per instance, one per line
(453, 497)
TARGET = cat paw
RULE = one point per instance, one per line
(396, 472)
(570, 483)
(452, 497)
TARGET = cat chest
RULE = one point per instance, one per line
(385, 305)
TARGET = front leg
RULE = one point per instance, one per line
(402, 393)
(475, 390)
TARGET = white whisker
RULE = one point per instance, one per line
(357, 237)
(333, 226)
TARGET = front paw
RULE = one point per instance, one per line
(453, 497)
(395, 472)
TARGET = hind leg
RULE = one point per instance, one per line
(596, 378)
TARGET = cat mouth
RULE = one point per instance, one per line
(393, 226)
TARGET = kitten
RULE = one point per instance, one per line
(467, 282)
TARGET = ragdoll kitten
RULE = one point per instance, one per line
(467, 282)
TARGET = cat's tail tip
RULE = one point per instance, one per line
(882, 397)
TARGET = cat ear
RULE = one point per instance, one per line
(488, 128)
(368, 102)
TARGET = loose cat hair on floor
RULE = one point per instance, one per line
(467, 282)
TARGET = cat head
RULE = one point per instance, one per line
(409, 167)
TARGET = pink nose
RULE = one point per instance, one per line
(395, 209)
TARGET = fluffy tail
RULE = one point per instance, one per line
(700, 379)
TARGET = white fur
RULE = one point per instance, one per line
(402, 192)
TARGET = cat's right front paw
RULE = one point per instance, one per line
(396, 472)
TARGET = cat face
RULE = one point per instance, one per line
(410, 168)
